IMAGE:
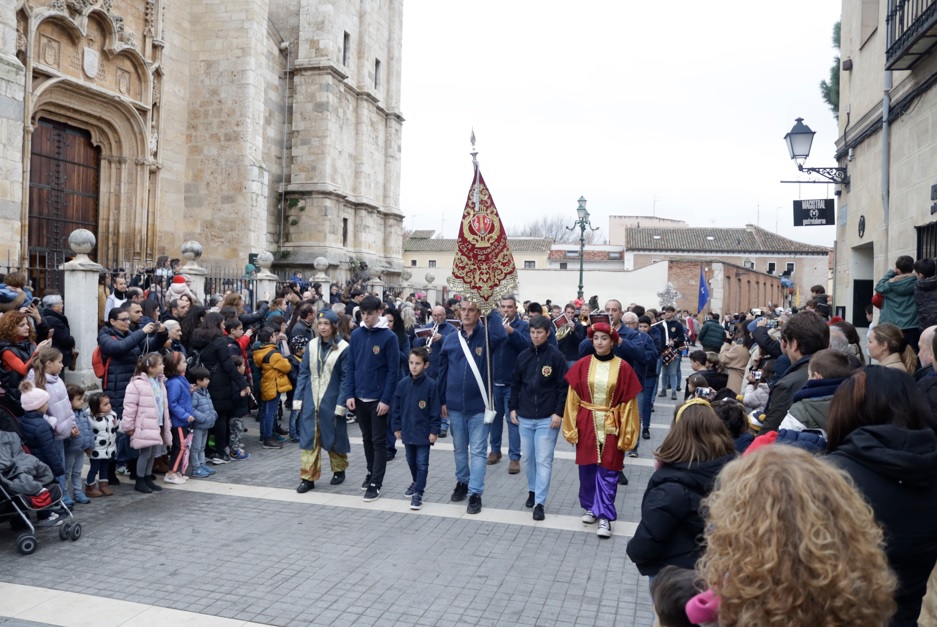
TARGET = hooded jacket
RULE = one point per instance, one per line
(711, 336)
(900, 308)
(141, 415)
(274, 368)
(671, 526)
(226, 381)
(811, 406)
(896, 471)
(925, 297)
(39, 438)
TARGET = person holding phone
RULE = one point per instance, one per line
(54, 326)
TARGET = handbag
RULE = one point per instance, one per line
(490, 413)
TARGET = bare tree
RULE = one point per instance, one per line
(555, 227)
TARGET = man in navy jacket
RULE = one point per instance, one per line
(505, 357)
(371, 370)
(463, 402)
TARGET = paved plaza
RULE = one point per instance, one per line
(244, 548)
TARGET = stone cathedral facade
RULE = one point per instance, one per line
(247, 125)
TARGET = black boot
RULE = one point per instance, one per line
(150, 481)
(141, 486)
(112, 473)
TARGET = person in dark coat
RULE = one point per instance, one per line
(53, 319)
(881, 432)
(215, 352)
(694, 451)
(711, 336)
(925, 292)
(120, 349)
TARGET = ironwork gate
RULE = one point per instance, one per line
(63, 196)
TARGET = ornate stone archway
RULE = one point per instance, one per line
(86, 67)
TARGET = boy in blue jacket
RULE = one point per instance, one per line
(416, 422)
(371, 370)
(205, 416)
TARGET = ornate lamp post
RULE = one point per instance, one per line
(582, 223)
(799, 140)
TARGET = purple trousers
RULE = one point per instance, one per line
(597, 490)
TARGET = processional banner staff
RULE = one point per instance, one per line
(483, 270)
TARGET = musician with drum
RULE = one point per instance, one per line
(670, 357)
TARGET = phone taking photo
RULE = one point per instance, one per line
(704, 393)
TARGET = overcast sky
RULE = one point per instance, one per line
(675, 108)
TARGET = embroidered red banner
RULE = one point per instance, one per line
(483, 270)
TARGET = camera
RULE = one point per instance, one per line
(703, 393)
(772, 324)
(36, 302)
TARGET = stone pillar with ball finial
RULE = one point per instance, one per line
(405, 286)
(430, 289)
(191, 251)
(81, 281)
(321, 264)
(266, 281)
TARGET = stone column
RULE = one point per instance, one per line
(266, 285)
(191, 251)
(81, 306)
(376, 287)
(12, 90)
(405, 286)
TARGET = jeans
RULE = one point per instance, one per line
(670, 376)
(470, 436)
(647, 402)
(268, 413)
(374, 438)
(538, 442)
(98, 470)
(418, 460)
(197, 451)
(294, 416)
(496, 429)
(74, 460)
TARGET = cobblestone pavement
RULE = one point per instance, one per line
(245, 546)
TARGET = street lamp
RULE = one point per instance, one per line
(582, 223)
(799, 140)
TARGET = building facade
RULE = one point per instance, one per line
(247, 125)
(888, 143)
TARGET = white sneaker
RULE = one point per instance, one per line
(176, 479)
(54, 520)
(605, 529)
(588, 518)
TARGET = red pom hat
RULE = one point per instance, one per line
(178, 279)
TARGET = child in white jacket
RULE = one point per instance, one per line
(756, 390)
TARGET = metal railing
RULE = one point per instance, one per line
(906, 20)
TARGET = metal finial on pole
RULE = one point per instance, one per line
(474, 154)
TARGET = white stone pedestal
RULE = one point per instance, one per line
(81, 308)
(197, 274)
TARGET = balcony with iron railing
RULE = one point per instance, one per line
(911, 27)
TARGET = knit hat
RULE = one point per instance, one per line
(178, 279)
(298, 343)
(327, 314)
(31, 397)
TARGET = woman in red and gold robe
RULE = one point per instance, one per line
(601, 420)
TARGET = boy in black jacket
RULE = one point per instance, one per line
(538, 398)
(415, 419)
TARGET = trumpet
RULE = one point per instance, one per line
(584, 317)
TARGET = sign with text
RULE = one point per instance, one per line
(819, 212)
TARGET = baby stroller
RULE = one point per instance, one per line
(15, 508)
(22, 476)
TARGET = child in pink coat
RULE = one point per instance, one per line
(146, 418)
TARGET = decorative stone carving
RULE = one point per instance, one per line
(78, 6)
(430, 277)
(191, 250)
(107, 6)
(129, 38)
(91, 60)
(150, 30)
(20, 40)
(118, 24)
(50, 51)
(58, 5)
(406, 275)
(154, 141)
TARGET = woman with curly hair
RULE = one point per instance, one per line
(17, 354)
(791, 543)
(881, 432)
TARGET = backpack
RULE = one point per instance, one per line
(99, 365)
(193, 360)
